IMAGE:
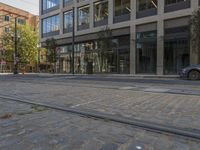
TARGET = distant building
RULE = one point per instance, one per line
(7, 15)
(150, 36)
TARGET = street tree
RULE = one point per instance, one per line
(27, 41)
(105, 45)
(195, 32)
(51, 51)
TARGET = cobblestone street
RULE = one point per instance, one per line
(24, 126)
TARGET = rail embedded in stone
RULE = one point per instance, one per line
(149, 126)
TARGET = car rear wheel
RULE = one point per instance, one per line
(194, 75)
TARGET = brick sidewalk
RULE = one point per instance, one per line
(32, 128)
(169, 109)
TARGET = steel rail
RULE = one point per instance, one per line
(149, 126)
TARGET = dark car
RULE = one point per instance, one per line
(191, 72)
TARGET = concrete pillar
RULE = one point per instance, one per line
(160, 38)
(91, 14)
(193, 53)
(194, 4)
(133, 38)
(110, 12)
(61, 18)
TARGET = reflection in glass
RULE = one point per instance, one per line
(146, 4)
(101, 10)
(146, 52)
(49, 4)
(177, 50)
(50, 24)
(122, 7)
(83, 15)
(68, 21)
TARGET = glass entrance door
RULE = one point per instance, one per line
(146, 57)
(176, 55)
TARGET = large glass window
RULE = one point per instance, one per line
(101, 10)
(50, 24)
(21, 21)
(122, 7)
(146, 4)
(173, 5)
(83, 16)
(50, 3)
(168, 2)
(177, 49)
(68, 21)
(146, 52)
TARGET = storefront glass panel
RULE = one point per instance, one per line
(177, 50)
(146, 52)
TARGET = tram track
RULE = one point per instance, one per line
(149, 126)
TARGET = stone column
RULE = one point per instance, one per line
(110, 12)
(61, 17)
(91, 14)
(160, 38)
(193, 53)
(133, 38)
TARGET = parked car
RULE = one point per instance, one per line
(191, 72)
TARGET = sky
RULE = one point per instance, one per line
(31, 6)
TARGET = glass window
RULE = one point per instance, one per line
(49, 4)
(83, 15)
(7, 18)
(68, 20)
(122, 7)
(21, 21)
(50, 24)
(6, 29)
(146, 4)
(176, 49)
(67, 1)
(101, 10)
(146, 52)
(167, 2)
(80, 1)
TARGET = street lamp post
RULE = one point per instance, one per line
(73, 39)
(16, 50)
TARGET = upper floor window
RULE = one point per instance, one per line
(167, 2)
(101, 10)
(83, 15)
(50, 3)
(122, 7)
(80, 1)
(67, 2)
(174, 5)
(51, 24)
(68, 21)
(7, 18)
(7, 29)
(21, 21)
(146, 4)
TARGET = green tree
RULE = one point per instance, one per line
(51, 51)
(105, 45)
(27, 41)
(195, 32)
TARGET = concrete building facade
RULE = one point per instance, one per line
(7, 19)
(150, 36)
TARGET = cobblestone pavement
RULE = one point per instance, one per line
(152, 105)
(168, 104)
(28, 127)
